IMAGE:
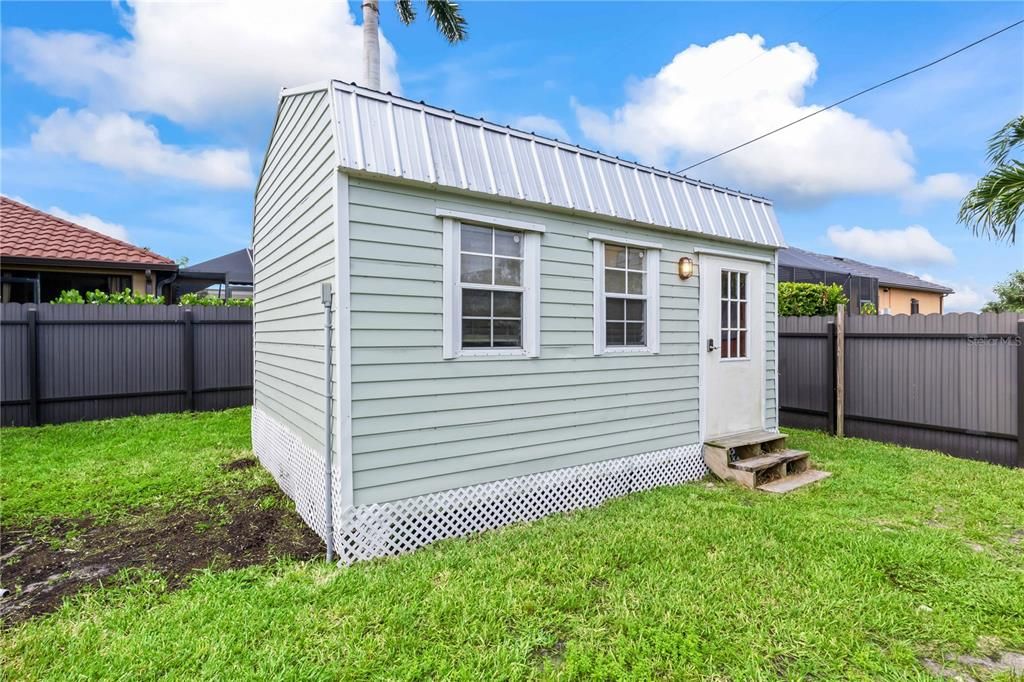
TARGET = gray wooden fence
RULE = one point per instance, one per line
(942, 382)
(66, 363)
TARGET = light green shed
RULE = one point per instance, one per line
(520, 326)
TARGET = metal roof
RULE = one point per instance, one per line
(799, 258)
(234, 267)
(388, 135)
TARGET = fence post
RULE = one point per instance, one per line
(840, 369)
(33, 366)
(189, 362)
(830, 373)
(1020, 393)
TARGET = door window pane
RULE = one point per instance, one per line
(733, 321)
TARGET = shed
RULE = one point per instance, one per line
(520, 326)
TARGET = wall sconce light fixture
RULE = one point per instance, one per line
(685, 267)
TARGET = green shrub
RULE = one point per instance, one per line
(97, 297)
(197, 299)
(799, 299)
(69, 296)
(868, 308)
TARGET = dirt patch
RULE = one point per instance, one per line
(239, 464)
(969, 668)
(230, 531)
(552, 655)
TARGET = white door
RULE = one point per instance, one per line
(732, 344)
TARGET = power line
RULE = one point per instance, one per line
(855, 95)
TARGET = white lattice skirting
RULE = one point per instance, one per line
(375, 530)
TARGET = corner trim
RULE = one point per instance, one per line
(343, 340)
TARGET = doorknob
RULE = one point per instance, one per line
(711, 346)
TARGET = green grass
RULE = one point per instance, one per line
(901, 555)
(108, 468)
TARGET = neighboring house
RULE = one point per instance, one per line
(517, 330)
(42, 255)
(892, 292)
(227, 276)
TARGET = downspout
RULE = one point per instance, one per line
(326, 297)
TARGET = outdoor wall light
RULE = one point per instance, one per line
(685, 267)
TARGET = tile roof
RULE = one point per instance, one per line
(798, 258)
(27, 232)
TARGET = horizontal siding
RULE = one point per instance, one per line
(422, 424)
(293, 254)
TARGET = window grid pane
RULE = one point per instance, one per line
(491, 283)
(734, 330)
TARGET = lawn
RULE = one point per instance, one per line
(900, 562)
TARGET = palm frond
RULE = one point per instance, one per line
(406, 12)
(1003, 142)
(994, 207)
(449, 20)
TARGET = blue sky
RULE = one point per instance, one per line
(150, 122)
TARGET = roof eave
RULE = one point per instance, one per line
(71, 263)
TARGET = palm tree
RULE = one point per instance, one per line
(995, 205)
(446, 15)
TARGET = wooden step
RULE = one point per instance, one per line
(788, 483)
(768, 460)
(749, 438)
(756, 463)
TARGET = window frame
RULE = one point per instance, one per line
(652, 295)
(452, 222)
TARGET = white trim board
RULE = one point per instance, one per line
(598, 237)
(732, 254)
(489, 221)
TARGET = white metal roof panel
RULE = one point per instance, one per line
(384, 134)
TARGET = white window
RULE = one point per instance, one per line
(626, 301)
(491, 286)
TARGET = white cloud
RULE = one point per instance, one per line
(938, 187)
(194, 62)
(542, 125)
(913, 244)
(119, 141)
(964, 299)
(710, 98)
(115, 230)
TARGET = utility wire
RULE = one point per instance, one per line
(858, 94)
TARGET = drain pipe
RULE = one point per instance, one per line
(325, 297)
